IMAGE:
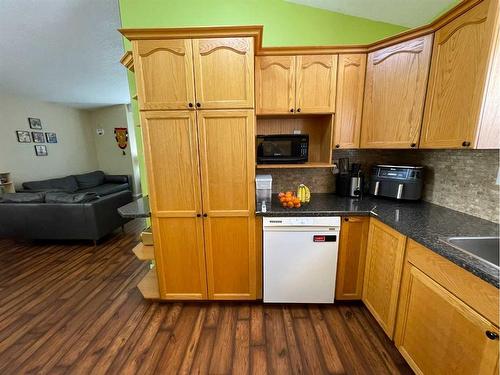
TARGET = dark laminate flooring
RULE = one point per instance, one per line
(72, 308)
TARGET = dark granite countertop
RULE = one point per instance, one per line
(135, 209)
(423, 222)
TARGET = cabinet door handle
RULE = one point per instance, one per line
(337, 146)
(465, 144)
(198, 215)
(346, 219)
(298, 109)
(492, 335)
(413, 145)
(190, 105)
(291, 110)
(205, 215)
(198, 105)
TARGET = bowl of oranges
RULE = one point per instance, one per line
(289, 200)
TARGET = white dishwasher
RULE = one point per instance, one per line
(300, 259)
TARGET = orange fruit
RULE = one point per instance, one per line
(295, 200)
(281, 194)
(290, 204)
(288, 193)
(285, 204)
(296, 205)
(282, 199)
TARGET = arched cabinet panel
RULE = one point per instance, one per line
(224, 73)
(164, 74)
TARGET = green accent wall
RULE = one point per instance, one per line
(285, 24)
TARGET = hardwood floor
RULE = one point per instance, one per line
(72, 308)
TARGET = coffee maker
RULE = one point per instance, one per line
(350, 179)
(356, 181)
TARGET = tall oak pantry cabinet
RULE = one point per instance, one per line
(196, 98)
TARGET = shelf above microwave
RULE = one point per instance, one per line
(302, 165)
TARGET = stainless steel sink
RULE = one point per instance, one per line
(485, 248)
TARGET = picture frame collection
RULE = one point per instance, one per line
(38, 137)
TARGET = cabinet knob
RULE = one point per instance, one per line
(492, 335)
(291, 110)
(337, 146)
(298, 109)
(198, 105)
(465, 144)
(346, 219)
(190, 105)
(205, 215)
(413, 145)
(198, 215)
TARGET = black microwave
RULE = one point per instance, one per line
(282, 148)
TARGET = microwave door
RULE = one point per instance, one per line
(277, 149)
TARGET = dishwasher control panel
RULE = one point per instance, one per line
(290, 221)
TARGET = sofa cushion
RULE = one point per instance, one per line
(106, 189)
(70, 198)
(89, 180)
(68, 184)
(22, 198)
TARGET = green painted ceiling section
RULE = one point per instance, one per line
(285, 24)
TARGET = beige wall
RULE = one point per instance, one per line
(110, 157)
(74, 153)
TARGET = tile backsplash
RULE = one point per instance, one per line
(463, 180)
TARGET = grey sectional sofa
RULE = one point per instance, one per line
(28, 215)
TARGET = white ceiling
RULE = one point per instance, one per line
(409, 13)
(64, 51)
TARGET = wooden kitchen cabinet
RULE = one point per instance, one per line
(274, 84)
(352, 257)
(384, 264)
(395, 87)
(224, 73)
(457, 79)
(174, 189)
(227, 153)
(437, 331)
(295, 84)
(350, 90)
(316, 82)
(215, 73)
(164, 74)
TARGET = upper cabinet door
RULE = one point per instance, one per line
(458, 71)
(275, 84)
(396, 81)
(316, 84)
(350, 89)
(224, 73)
(164, 74)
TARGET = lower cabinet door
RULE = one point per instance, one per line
(231, 258)
(439, 334)
(180, 258)
(352, 256)
(384, 265)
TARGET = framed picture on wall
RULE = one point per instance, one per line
(41, 150)
(51, 137)
(38, 137)
(23, 136)
(35, 123)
